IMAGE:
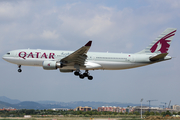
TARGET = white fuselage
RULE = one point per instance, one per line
(82, 59)
(94, 61)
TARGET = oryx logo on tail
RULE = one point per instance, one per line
(163, 44)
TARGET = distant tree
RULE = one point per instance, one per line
(104, 112)
(86, 115)
(99, 113)
(136, 113)
(152, 113)
(163, 113)
(115, 113)
(95, 112)
(83, 113)
(80, 112)
(147, 113)
(174, 113)
(157, 113)
(109, 112)
(168, 113)
(89, 112)
(77, 113)
(178, 113)
(126, 113)
(121, 113)
(130, 113)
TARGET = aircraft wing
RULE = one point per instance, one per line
(77, 57)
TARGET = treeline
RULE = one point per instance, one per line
(162, 113)
(22, 112)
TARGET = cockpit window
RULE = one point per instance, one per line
(8, 53)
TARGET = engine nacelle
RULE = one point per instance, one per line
(51, 65)
(65, 70)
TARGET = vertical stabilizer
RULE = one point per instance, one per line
(162, 43)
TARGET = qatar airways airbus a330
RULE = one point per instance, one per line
(81, 59)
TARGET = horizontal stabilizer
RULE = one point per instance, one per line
(158, 57)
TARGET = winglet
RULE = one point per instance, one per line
(89, 43)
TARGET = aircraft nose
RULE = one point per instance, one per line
(3, 57)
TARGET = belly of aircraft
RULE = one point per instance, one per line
(90, 65)
(119, 65)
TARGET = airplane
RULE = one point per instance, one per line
(81, 59)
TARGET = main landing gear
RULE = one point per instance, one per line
(85, 74)
(19, 70)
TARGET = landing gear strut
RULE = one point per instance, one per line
(19, 70)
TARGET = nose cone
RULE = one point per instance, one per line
(4, 57)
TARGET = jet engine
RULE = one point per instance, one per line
(51, 65)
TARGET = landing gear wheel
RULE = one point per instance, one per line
(76, 73)
(85, 74)
(19, 70)
(81, 76)
(90, 77)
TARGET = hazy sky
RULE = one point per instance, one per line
(112, 25)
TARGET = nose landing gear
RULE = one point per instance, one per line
(19, 70)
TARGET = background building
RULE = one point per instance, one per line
(156, 109)
(176, 107)
(112, 109)
(8, 109)
(63, 109)
(86, 108)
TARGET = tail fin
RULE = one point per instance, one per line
(162, 43)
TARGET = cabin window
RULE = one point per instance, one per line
(8, 53)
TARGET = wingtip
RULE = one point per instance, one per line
(89, 43)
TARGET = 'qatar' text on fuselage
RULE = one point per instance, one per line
(36, 55)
